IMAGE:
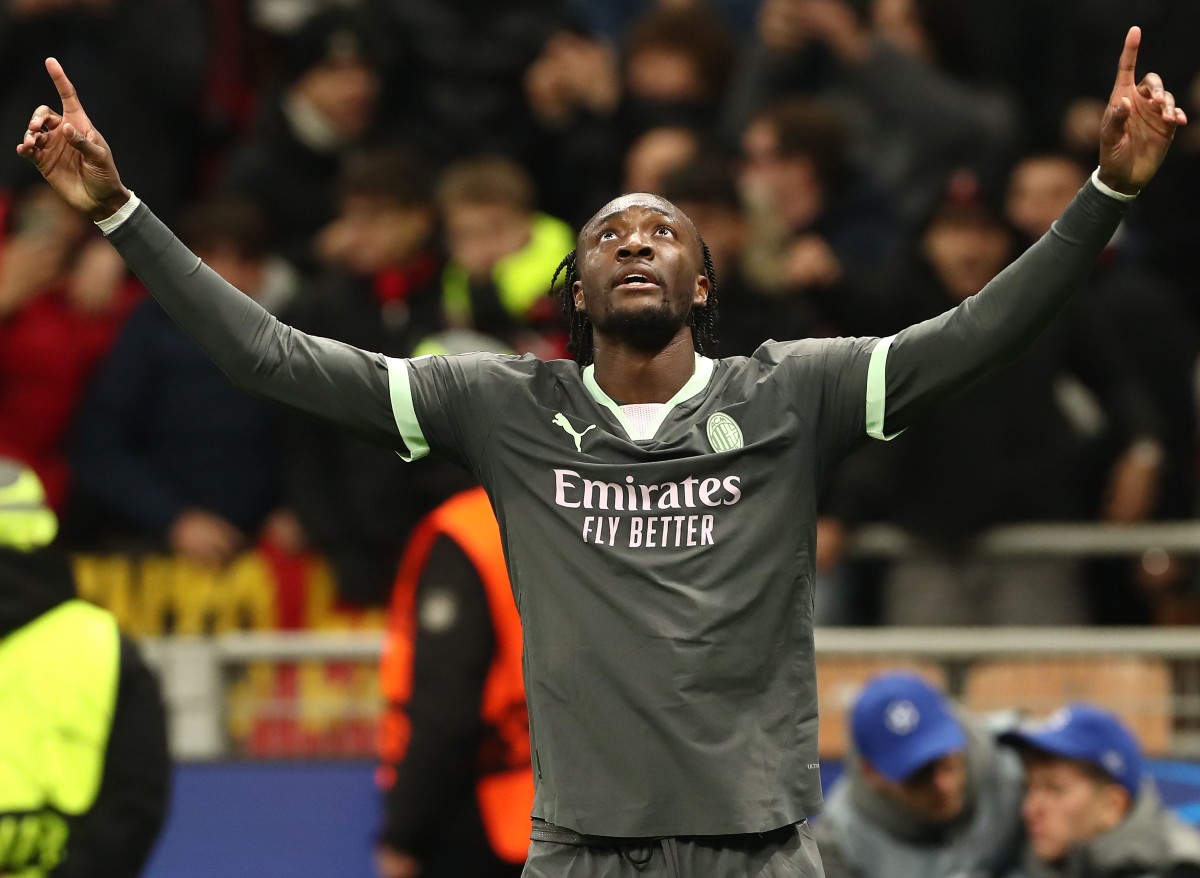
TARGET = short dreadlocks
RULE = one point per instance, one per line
(702, 320)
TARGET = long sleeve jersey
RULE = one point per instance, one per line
(663, 572)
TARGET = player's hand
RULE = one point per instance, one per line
(71, 154)
(1138, 125)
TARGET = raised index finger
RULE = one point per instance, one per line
(1127, 66)
(66, 91)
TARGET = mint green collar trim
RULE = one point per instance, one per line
(699, 380)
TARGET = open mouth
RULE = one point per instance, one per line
(637, 280)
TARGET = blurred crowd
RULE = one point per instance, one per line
(405, 175)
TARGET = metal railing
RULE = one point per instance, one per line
(1047, 539)
(280, 695)
(297, 694)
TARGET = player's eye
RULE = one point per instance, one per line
(608, 235)
(667, 230)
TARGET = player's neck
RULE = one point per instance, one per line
(632, 376)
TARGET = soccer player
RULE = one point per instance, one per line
(657, 506)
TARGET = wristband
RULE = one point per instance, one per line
(112, 223)
(1108, 190)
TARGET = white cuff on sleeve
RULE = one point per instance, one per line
(112, 223)
(1108, 190)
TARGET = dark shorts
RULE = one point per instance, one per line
(788, 852)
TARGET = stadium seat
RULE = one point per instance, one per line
(1136, 689)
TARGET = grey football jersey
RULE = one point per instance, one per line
(665, 585)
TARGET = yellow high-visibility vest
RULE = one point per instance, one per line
(58, 692)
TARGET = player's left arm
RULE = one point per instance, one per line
(930, 361)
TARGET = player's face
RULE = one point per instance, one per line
(641, 270)
(1065, 806)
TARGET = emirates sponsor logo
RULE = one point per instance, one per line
(664, 519)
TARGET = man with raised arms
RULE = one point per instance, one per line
(671, 691)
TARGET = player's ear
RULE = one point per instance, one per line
(700, 299)
(577, 295)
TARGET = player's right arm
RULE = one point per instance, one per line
(325, 378)
(928, 362)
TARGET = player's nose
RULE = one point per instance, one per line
(636, 243)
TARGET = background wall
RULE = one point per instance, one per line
(318, 819)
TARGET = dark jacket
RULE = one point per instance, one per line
(114, 838)
(162, 430)
(293, 183)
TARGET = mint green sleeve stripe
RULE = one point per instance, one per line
(404, 412)
(877, 390)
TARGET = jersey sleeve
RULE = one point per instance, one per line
(933, 360)
(324, 378)
(830, 384)
(449, 404)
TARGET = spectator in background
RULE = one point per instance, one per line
(457, 88)
(593, 103)
(874, 58)
(707, 192)
(1088, 25)
(1167, 224)
(1032, 462)
(501, 249)
(64, 293)
(1090, 811)
(113, 43)
(1163, 342)
(609, 20)
(817, 221)
(655, 154)
(84, 768)
(167, 454)
(677, 67)
(380, 290)
(325, 109)
(927, 792)
(454, 743)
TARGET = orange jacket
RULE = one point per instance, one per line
(504, 788)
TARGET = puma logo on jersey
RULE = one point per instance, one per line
(561, 420)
